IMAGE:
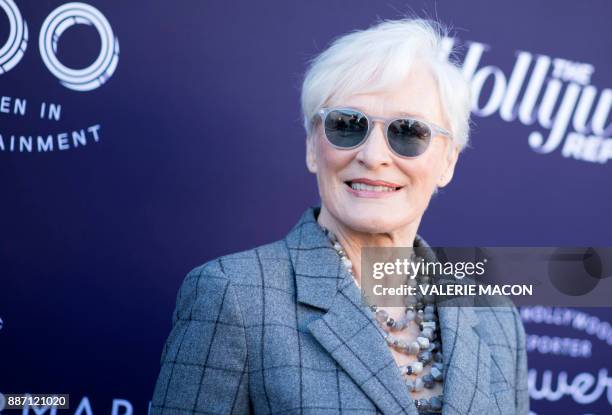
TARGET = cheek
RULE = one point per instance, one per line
(330, 163)
(332, 160)
(426, 169)
(421, 174)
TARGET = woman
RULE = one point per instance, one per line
(281, 328)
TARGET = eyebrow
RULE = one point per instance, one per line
(411, 114)
(399, 114)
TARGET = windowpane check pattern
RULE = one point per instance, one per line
(281, 329)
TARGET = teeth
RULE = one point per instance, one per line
(367, 187)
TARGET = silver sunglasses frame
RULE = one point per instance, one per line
(434, 129)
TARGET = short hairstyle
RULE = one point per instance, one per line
(374, 59)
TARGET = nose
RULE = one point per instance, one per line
(374, 152)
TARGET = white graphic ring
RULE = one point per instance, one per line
(56, 23)
(14, 48)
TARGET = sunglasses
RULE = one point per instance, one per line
(348, 128)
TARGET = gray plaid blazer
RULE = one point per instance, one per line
(281, 329)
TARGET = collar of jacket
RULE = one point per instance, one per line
(348, 331)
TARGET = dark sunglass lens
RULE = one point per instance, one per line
(409, 138)
(346, 128)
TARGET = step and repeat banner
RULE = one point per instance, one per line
(139, 139)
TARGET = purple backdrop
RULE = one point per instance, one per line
(192, 147)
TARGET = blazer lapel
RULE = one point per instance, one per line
(467, 360)
(347, 329)
(467, 357)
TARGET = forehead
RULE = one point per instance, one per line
(415, 95)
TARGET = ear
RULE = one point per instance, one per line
(449, 167)
(311, 158)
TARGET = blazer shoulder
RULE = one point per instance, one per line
(246, 267)
(502, 327)
(204, 292)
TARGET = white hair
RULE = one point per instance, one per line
(376, 59)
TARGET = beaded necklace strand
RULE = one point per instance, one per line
(420, 310)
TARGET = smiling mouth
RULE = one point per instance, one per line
(369, 188)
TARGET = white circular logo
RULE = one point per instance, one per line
(52, 28)
(12, 51)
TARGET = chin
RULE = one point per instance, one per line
(372, 222)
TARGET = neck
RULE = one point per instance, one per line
(353, 240)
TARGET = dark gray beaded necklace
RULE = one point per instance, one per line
(422, 311)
